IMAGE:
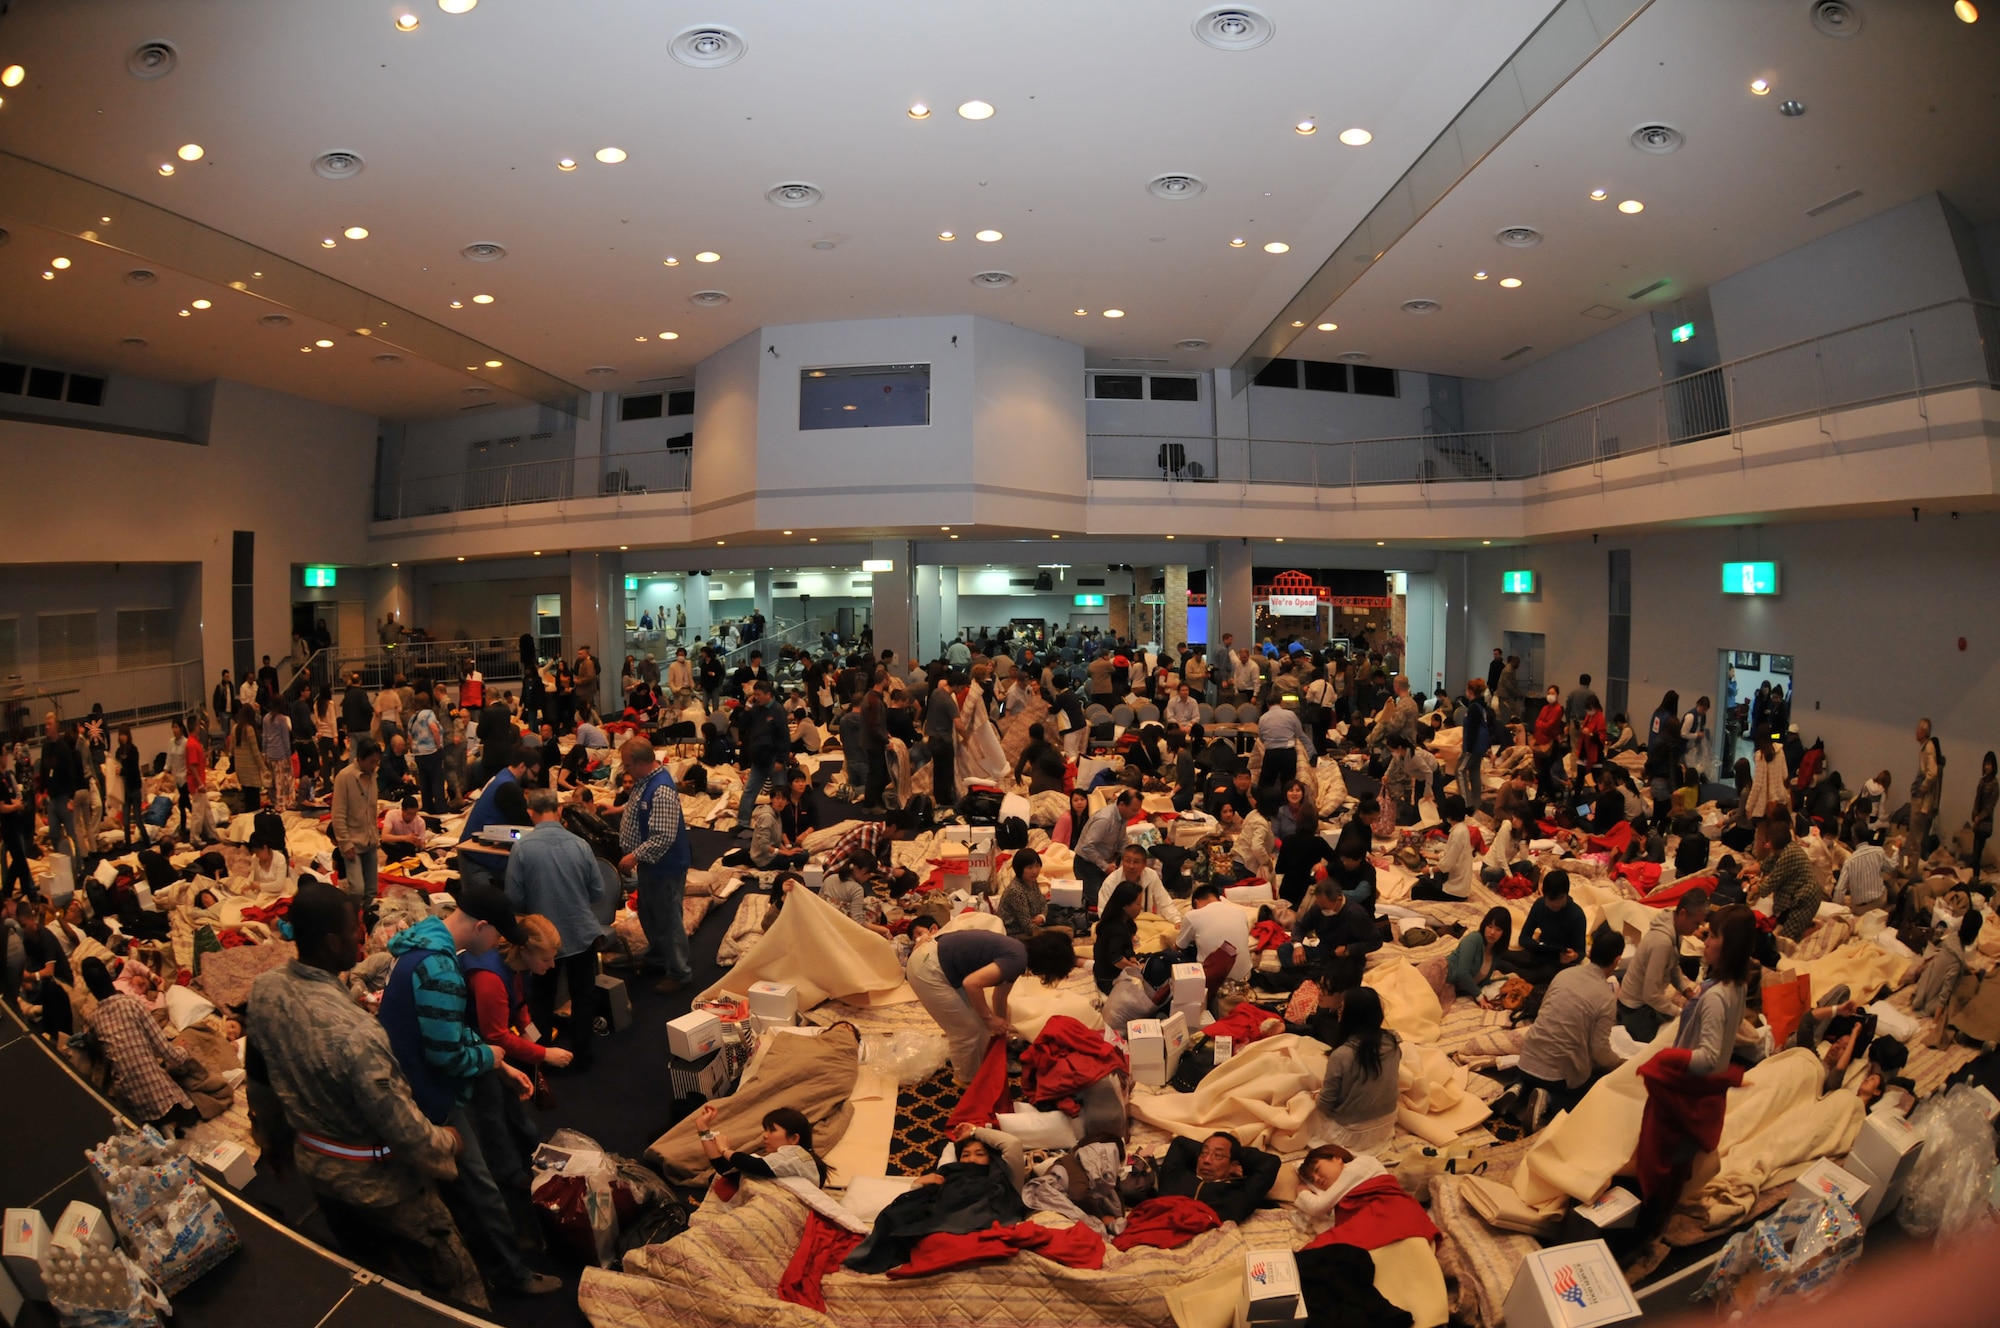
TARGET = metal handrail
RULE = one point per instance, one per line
(607, 474)
(1906, 356)
(498, 659)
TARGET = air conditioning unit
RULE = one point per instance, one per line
(616, 481)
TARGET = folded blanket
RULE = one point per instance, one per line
(1034, 1003)
(1863, 966)
(1264, 1095)
(1166, 1222)
(813, 1073)
(1409, 1006)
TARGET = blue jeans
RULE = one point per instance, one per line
(483, 1202)
(660, 892)
(753, 784)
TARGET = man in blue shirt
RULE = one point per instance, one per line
(481, 862)
(553, 872)
(655, 846)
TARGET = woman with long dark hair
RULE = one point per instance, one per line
(1985, 797)
(534, 696)
(1115, 946)
(1663, 738)
(1357, 1100)
(1472, 964)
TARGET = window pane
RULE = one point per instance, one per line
(640, 408)
(1323, 377)
(145, 638)
(1278, 373)
(1117, 387)
(865, 396)
(1174, 388)
(66, 644)
(1372, 380)
(680, 403)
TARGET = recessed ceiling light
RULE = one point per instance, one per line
(1598, 195)
(1277, 247)
(58, 263)
(788, 532)
(1170, 537)
(944, 527)
(303, 350)
(975, 110)
(189, 152)
(356, 232)
(1281, 539)
(202, 304)
(947, 235)
(482, 299)
(406, 22)
(670, 261)
(458, 304)
(670, 336)
(1510, 282)
(1380, 543)
(461, 557)
(850, 408)
(1355, 138)
(708, 256)
(1967, 11)
(1055, 537)
(1114, 313)
(166, 168)
(623, 547)
(722, 541)
(493, 364)
(919, 111)
(323, 344)
(638, 338)
(1238, 242)
(1305, 127)
(566, 163)
(954, 537)
(611, 156)
(328, 243)
(988, 236)
(537, 553)
(1486, 541)
(1479, 276)
(812, 539)
(457, 7)
(1298, 322)
(11, 76)
(1631, 206)
(1080, 313)
(1329, 327)
(1760, 86)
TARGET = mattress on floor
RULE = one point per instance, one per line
(745, 1245)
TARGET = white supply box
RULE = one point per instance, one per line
(231, 1162)
(694, 1035)
(707, 1075)
(1888, 1147)
(812, 876)
(1259, 893)
(1826, 1179)
(1570, 1286)
(978, 842)
(1190, 984)
(1616, 1209)
(1192, 1014)
(1270, 1288)
(443, 905)
(84, 1228)
(775, 1000)
(1065, 892)
(1155, 1046)
(25, 1245)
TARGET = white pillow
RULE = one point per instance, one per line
(869, 1195)
(187, 1006)
(1041, 1129)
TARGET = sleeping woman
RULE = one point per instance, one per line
(981, 1187)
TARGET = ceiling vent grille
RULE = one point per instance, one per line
(1354, 356)
(1600, 312)
(386, 358)
(1175, 186)
(141, 276)
(1657, 139)
(338, 165)
(1140, 359)
(1515, 354)
(709, 46)
(134, 343)
(1644, 291)
(483, 252)
(1421, 306)
(1191, 343)
(992, 280)
(151, 60)
(708, 299)
(1232, 28)
(600, 370)
(475, 391)
(1833, 203)
(1836, 18)
(794, 195)
(275, 320)
(1519, 237)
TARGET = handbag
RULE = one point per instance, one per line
(544, 1097)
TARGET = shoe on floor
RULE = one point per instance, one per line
(667, 986)
(1538, 1111)
(538, 1284)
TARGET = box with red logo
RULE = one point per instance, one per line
(1270, 1288)
(1570, 1286)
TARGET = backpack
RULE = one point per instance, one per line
(1012, 834)
(1937, 750)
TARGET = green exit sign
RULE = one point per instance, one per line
(1517, 583)
(1090, 601)
(1685, 332)
(631, 583)
(321, 576)
(1749, 578)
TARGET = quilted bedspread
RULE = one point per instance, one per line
(746, 1243)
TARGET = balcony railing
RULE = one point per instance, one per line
(663, 470)
(129, 696)
(1907, 356)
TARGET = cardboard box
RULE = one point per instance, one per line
(1825, 1178)
(1193, 1014)
(812, 876)
(61, 883)
(694, 1035)
(231, 1162)
(23, 1248)
(1154, 1047)
(710, 1075)
(1257, 893)
(84, 1228)
(775, 1000)
(1270, 1287)
(761, 1025)
(977, 841)
(616, 1000)
(1065, 892)
(443, 905)
(1875, 1202)
(1190, 985)
(1615, 1211)
(1570, 1286)
(1888, 1147)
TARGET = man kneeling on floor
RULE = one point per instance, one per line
(1569, 1045)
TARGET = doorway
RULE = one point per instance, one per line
(1529, 648)
(548, 626)
(1755, 688)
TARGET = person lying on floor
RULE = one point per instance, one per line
(1327, 1175)
(1229, 1177)
(979, 1187)
(852, 892)
(788, 1150)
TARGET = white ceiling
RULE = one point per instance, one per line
(462, 121)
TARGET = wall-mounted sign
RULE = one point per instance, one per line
(321, 576)
(1089, 601)
(1749, 578)
(878, 564)
(1517, 583)
(1293, 606)
(631, 583)
(1685, 332)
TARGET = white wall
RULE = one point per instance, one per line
(1296, 415)
(1894, 261)
(1183, 418)
(1617, 360)
(1027, 426)
(1873, 611)
(137, 404)
(725, 419)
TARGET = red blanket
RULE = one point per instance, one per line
(822, 1247)
(1644, 875)
(1376, 1213)
(1073, 1247)
(1166, 1222)
(1617, 841)
(1683, 1119)
(1268, 935)
(1244, 1024)
(987, 1094)
(1066, 1059)
(1669, 895)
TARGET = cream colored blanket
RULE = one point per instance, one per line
(1863, 965)
(823, 951)
(1264, 1095)
(1409, 1006)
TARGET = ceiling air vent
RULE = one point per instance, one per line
(1644, 291)
(794, 195)
(1836, 18)
(709, 46)
(1515, 354)
(1175, 186)
(1354, 356)
(482, 252)
(1833, 203)
(141, 276)
(338, 165)
(134, 343)
(992, 280)
(1191, 343)
(1232, 28)
(1519, 237)
(386, 358)
(1140, 359)
(1421, 306)
(1657, 139)
(275, 320)
(151, 60)
(708, 299)
(1600, 312)
(600, 370)
(475, 391)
